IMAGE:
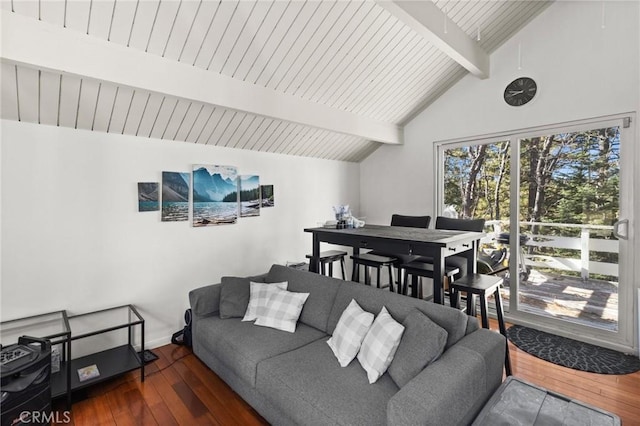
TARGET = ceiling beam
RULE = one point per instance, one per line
(428, 20)
(36, 44)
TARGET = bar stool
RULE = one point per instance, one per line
(483, 286)
(327, 258)
(369, 260)
(396, 220)
(418, 270)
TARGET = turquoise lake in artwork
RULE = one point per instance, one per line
(214, 195)
(147, 206)
(214, 213)
(175, 196)
(175, 211)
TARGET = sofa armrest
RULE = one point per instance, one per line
(452, 390)
(205, 300)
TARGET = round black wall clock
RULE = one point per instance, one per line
(520, 91)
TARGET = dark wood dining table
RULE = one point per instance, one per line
(437, 244)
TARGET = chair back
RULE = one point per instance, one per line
(471, 225)
(410, 221)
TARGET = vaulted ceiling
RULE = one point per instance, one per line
(326, 79)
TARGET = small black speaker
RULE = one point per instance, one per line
(25, 371)
(187, 317)
(183, 337)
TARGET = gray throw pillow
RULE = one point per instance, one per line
(422, 343)
(234, 297)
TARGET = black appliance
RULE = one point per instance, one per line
(25, 371)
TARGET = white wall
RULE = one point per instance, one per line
(582, 71)
(72, 237)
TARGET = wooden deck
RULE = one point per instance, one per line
(591, 302)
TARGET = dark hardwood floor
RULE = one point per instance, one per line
(181, 390)
(178, 390)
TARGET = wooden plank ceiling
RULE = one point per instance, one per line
(351, 56)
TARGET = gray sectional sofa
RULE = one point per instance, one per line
(294, 378)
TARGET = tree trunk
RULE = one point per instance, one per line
(534, 155)
(542, 174)
(504, 156)
(469, 199)
(604, 170)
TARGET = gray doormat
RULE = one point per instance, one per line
(571, 353)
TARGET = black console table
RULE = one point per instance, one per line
(435, 243)
(111, 361)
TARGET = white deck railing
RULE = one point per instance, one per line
(584, 244)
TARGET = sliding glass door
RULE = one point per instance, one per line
(569, 203)
(557, 205)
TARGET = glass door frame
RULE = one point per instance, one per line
(624, 339)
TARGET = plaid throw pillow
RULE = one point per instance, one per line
(282, 311)
(259, 296)
(380, 345)
(349, 333)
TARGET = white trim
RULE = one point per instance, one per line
(156, 343)
(527, 131)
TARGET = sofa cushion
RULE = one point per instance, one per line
(234, 297)
(380, 345)
(282, 310)
(241, 345)
(422, 343)
(399, 306)
(337, 396)
(349, 333)
(259, 296)
(322, 293)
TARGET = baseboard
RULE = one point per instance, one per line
(155, 343)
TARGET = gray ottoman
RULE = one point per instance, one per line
(517, 402)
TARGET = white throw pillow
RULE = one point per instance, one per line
(259, 294)
(282, 311)
(349, 333)
(380, 345)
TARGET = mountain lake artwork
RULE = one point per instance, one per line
(175, 196)
(249, 195)
(266, 196)
(215, 195)
(147, 196)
